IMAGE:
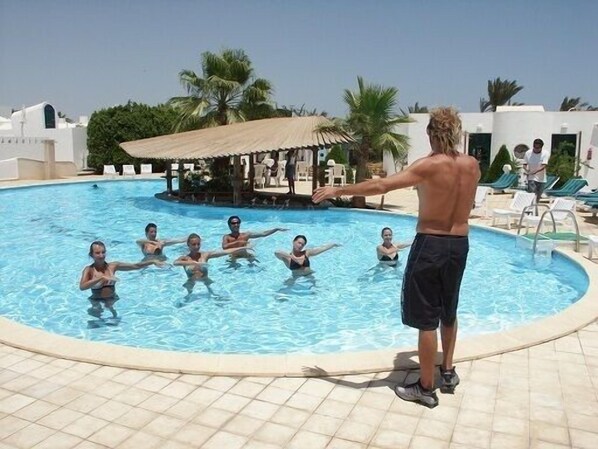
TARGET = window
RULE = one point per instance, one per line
(49, 116)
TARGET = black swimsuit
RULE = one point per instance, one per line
(385, 258)
(293, 265)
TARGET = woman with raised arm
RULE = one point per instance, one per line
(100, 278)
(151, 246)
(298, 259)
(195, 263)
(388, 252)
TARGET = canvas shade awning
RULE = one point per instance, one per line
(257, 136)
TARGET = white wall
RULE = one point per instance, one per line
(14, 147)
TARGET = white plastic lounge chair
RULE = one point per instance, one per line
(146, 169)
(189, 167)
(302, 171)
(280, 173)
(109, 170)
(481, 199)
(519, 202)
(337, 171)
(260, 175)
(129, 170)
(592, 245)
(174, 166)
(560, 208)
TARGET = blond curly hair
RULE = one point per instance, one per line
(445, 127)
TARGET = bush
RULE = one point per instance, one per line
(561, 162)
(109, 127)
(349, 171)
(495, 171)
(337, 154)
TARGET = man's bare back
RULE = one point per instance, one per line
(446, 193)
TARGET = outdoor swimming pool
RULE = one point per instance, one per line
(350, 303)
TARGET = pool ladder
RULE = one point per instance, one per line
(548, 212)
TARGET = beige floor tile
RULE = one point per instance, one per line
(11, 404)
(222, 384)
(137, 418)
(508, 407)
(260, 410)
(326, 425)
(367, 415)
(178, 389)
(111, 435)
(35, 410)
(304, 402)
(334, 408)
(273, 433)
(231, 402)
(142, 440)
(391, 439)
(131, 377)
(213, 417)
(512, 426)
(422, 442)
(289, 383)
(193, 379)
(110, 410)
(338, 443)
(194, 434)
(506, 441)
(345, 394)
(549, 432)
(316, 387)
(472, 418)
(63, 396)
(222, 439)
(435, 429)
(305, 439)
(59, 440)
(377, 400)
(243, 425)
(60, 418)
(40, 389)
(158, 403)
(404, 424)
(20, 382)
(356, 431)
(85, 426)
(538, 444)
(256, 444)
(164, 426)
(153, 383)
(26, 366)
(86, 403)
(110, 390)
(582, 422)
(582, 439)
(405, 408)
(548, 414)
(29, 436)
(290, 417)
(11, 424)
(471, 436)
(247, 388)
(274, 395)
(204, 396)
(185, 410)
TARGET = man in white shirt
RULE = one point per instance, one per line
(534, 164)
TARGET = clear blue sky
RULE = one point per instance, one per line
(83, 55)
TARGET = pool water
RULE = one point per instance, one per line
(349, 304)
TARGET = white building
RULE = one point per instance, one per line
(36, 144)
(516, 127)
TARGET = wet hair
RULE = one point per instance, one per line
(445, 127)
(233, 217)
(385, 229)
(193, 235)
(300, 236)
(539, 142)
(96, 243)
(150, 226)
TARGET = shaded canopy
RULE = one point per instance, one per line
(256, 136)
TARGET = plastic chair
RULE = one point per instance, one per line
(559, 209)
(519, 202)
(259, 177)
(592, 245)
(129, 170)
(109, 170)
(189, 167)
(480, 201)
(302, 170)
(337, 171)
(146, 169)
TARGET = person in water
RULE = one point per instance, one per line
(195, 263)
(151, 247)
(298, 259)
(388, 252)
(100, 278)
(238, 239)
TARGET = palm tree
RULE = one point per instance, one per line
(415, 109)
(499, 93)
(371, 122)
(227, 93)
(575, 104)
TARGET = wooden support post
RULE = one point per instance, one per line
(251, 174)
(314, 171)
(237, 180)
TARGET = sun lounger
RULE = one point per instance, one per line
(592, 245)
(146, 169)
(481, 199)
(520, 201)
(109, 170)
(129, 170)
(560, 209)
(506, 181)
(570, 188)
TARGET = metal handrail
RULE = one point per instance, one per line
(550, 211)
(527, 209)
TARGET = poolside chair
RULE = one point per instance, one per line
(129, 170)
(302, 171)
(560, 209)
(259, 178)
(499, 180)
(509, 180)
(280, 173)
(190, 167)
(146, 169)
(592, 245)
(570, 188)
(337, 171)
(174, 166)
(519, 202)
(109, 170)
(480, 201)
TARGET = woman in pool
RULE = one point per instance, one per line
(195, 263)
(298, 259)
(100, 278)
(388, 252)
(151, 247)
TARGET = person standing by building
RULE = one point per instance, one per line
(446, 183)
(534, 164)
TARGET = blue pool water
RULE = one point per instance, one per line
(350, 303)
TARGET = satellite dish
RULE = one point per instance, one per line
(520, 150)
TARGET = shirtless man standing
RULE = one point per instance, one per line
(238, 239)
(446, 183)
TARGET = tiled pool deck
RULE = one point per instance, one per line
(545, 396)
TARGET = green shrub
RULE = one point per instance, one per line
(337, 154)
(495, 171)
(349, 171)
(561, 162)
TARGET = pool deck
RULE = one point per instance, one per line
(543, 396)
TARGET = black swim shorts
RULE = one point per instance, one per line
(432, 280)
